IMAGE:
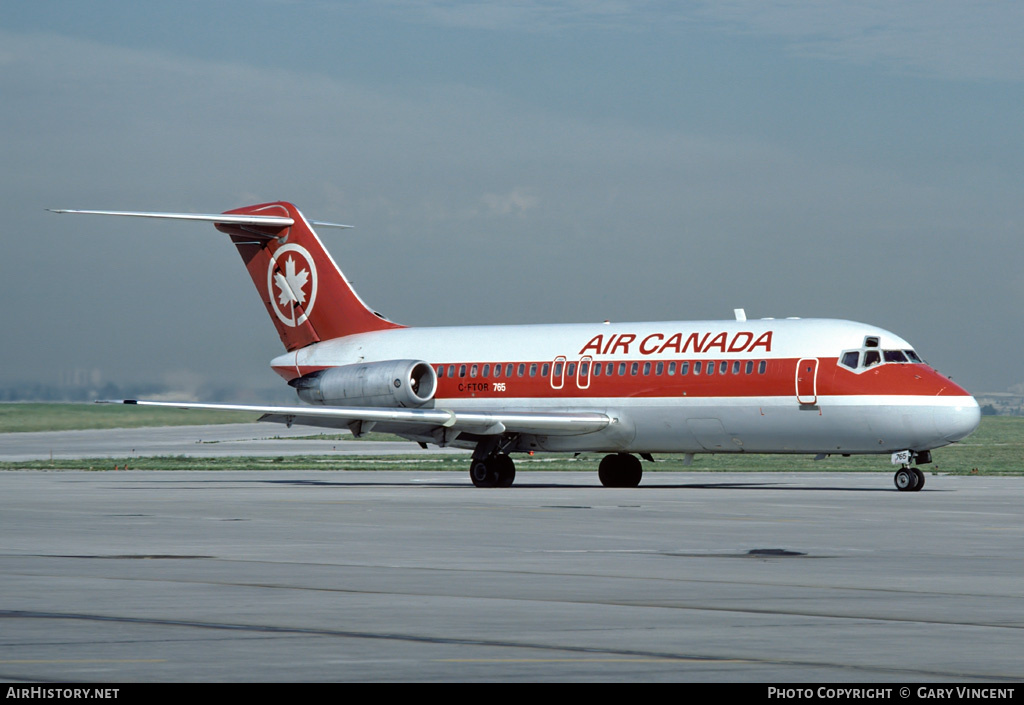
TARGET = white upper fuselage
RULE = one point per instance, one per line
(789, 338)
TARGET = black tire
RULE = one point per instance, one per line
(483, 473)
(620, 470)
(905, 480)
(506, 470)
(920, 479)
(606, 471)
(632, 471)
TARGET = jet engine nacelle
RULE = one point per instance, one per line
(390, 383)
(401, 383)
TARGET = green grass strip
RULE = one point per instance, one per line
(28, 417)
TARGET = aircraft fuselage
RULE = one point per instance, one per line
(765, 386)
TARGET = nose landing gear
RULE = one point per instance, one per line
(909, 479)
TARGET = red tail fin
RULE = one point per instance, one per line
(305, 293)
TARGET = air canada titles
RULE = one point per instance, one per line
(659, 343)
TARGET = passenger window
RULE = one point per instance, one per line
(671, 368)
(647, 368)
(571, 369)
(685, 368)
(533, 370)
(710, 368)
(544, 370)
(558, 369)
(462, 370)
(851, 359)
(597, 369)
(659, 368)
(750, 366)
(622, 369)
(497, 371)
(634, 368)
(487, 371)
(761, 367)
(472, 371)
(736, 367)
(872, 357)
(584, 369)
(522, 369)
(696, 367)
(440, 371)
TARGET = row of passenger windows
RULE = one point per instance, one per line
(606, 369)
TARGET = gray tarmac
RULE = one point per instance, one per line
(418, 576)
(211, 441)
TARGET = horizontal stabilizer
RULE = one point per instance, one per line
(264, 220)
(304, 292)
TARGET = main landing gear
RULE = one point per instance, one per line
(620, 470)
(496, 470)
(491, 466)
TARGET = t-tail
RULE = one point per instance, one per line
(305, 293)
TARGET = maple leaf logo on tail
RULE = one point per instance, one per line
(291, 284)
(288, 285)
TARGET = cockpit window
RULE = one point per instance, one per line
(870, 355)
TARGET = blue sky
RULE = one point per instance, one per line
(513, 162)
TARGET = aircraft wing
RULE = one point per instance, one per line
(485, 423)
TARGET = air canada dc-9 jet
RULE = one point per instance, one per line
(797, 386)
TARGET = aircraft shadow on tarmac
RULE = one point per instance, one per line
(525, 485)
(555, 485)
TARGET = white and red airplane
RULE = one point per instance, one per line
(808, 386)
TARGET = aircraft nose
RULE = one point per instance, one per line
(955, 423)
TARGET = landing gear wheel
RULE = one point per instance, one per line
(506, 470)
(483, 473)
(620, 470)
(494, 471)
(920, 479)
(906, 480)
